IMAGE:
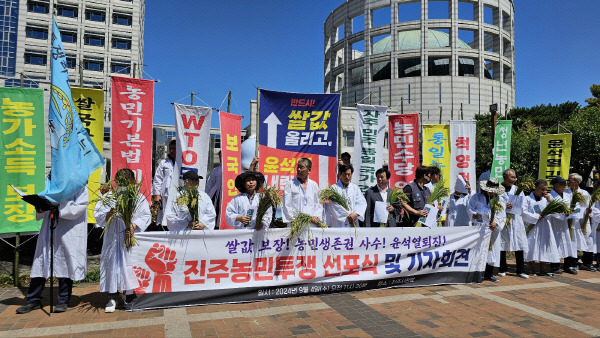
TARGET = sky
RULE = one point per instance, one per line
(213, 47)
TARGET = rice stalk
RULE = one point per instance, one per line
(594, 197)
(300, 222)
(331, 195)
(440, 191)
(394, 198)
(576, 198)
(495, 208)
(188, 197)
(269, 198)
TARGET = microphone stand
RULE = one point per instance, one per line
(53, 221)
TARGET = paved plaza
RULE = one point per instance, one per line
(565, 305)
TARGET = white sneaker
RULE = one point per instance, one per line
(111, 306)
(502, 274)
(523, 275)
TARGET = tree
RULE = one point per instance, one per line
(595, 100)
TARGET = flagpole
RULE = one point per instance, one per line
(257, 118)
(53, 220)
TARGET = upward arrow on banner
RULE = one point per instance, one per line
(272, 122)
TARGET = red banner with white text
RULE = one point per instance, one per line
(131, 131)
(231, 137)
(403, 148)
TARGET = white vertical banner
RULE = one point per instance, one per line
(462, 144)
(368, 144)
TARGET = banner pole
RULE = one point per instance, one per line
(229, 102)
(16, 260)
(340, 136)
(257, 122)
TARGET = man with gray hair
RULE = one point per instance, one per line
(583, 236)
(514, 231)
(301, 195)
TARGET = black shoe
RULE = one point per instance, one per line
(492, 279)
(589, 267)
(59, 308)
(28, 308)
(571, 270)
(557, 272)
(130, 298)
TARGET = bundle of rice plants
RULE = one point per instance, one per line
(526, 185)
(188, 197)
(576, 198)
(594, 197)
(553, 207)
(495, 208)
(331, 195)
(300, 222)
(270, 198)
(440, 191)
(394, 198)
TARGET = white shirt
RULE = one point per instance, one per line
(458, 211)
(384, 194)
(296, 199)
(178, 217)
(162, 178)
(240, 205)
(214, 182)
(336, 215)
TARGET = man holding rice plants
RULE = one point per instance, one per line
(180, 214)
(560, 227)
(582, 234)
(417, 194)
(337, 216)
(301, 195)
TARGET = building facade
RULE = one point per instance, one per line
(445, 59)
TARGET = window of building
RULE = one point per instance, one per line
(506, 22)
(339, 57)
(488, 15)
(492, 71)
(467, 67)
(339, 82)
(38, 7)
(441, 38)
(506, 48)
(67, 11)
(94, 40)
(358, 50)
(35, 58)
(491, 42)
(358, 75)
(340, 32)
(358, 23)
(468, 37)
(381, 44)
(409, 67)
(17, 83)
(91, 84)
(106, 134)
(121, 43)
(217, 141)
(36, 32)
(122, 19)
(120, 67)
(409, 11)
(439, 66)
(466, 11)
(348, 138)
(381, 16)
(93, 64)
(71, 61)
(95, 15)
(507, 75)
(438, 9)
(381, 71)
(68, 36)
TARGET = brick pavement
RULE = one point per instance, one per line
(540, 306)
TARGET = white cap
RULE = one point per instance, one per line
(461, 185)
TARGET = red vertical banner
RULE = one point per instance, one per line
(131, 128)
(231, 159)
(403, 148)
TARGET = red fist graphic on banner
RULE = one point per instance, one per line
(143, 277)
(161, 260)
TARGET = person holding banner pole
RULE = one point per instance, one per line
(70, 263)
(242, 210)
(213, 186)
(379, 194)
(417, 194)
(162, 181)
(560, 227)
(301, 195)
(514, 233)
(335, 215)
(480, 210)
(179, 216)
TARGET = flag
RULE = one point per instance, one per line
(555, 156)
(403, 148)
(436, 148)
(368, 152)
(231, 135)
(462, 150)
(501, 149)
(73, 155)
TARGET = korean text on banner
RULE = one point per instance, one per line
(73, 155)
(555, 156)
(368, 152)
(436, 147)
(89, 104)
(501, 151)
(295, 125)
(403, 148)
(131, 132)
(244, 265)
(462, 138)
(231, 135)
(22, 156)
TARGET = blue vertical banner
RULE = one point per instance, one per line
(295, 125)
(73, 154)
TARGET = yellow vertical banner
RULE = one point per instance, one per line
(436, 148)
(90, 107)
(555, 156)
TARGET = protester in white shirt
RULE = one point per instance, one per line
(301, 195)
(242, 210)
(162, 181)
(560, 228)
(458, 205)
(179, 217)
(584, 243)
(335, 215)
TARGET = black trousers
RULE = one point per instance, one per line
(567, 263)
(518, 257)
(489, 271)
(36, 286)
(587, 258)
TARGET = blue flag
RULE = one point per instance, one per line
(74, 156)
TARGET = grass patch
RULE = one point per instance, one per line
(6, 281)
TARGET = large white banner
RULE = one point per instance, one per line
(368, 144)
(462, 143)
(203, 267)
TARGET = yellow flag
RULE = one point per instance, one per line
(90, 107)
(555, 156)
(436, 148)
